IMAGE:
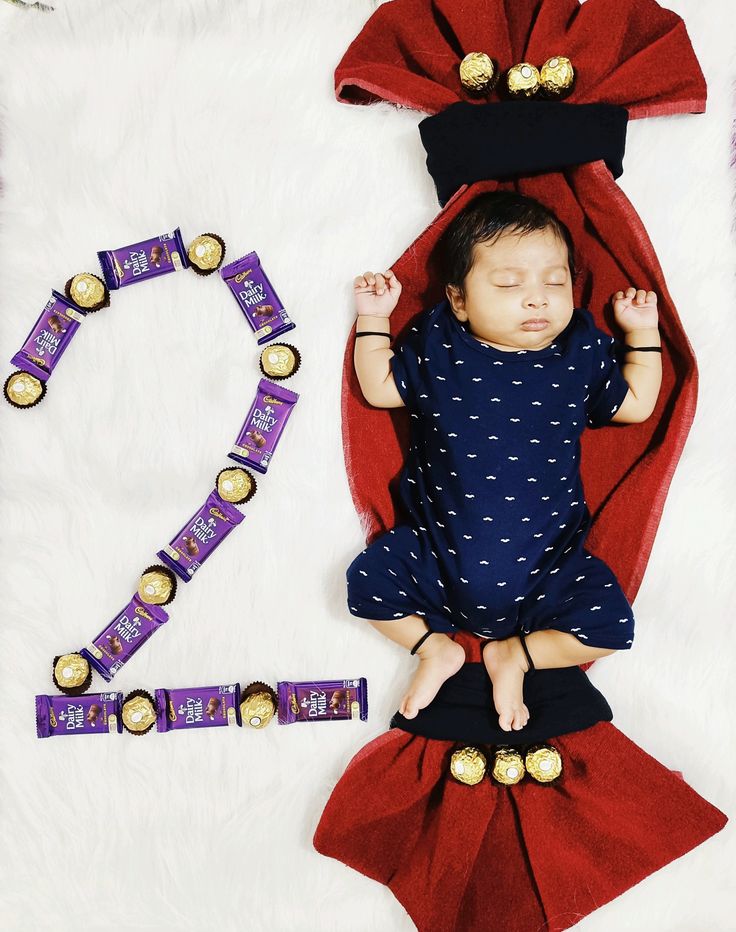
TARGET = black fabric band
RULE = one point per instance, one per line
(372, 333)
(468, 142)
(421, 641)
(559, 702)
(532, 668)
(642, 349)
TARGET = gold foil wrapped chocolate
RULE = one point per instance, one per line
(280, 361)
(478, 74)
(206, 253)
(87, 291)
(257, 705)
(235, 485)
(139, 712)
(23, 390)
(557, 76)
(468, 765)
(72, 674)
(157, 585)
(544, 763)
(522, 80)
(508, 766)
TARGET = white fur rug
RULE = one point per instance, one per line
(121, 120)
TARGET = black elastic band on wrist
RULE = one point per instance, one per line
(421, 641)
(641, 349)
(372, 333)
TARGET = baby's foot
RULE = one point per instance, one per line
(439, 658)
(506, 665)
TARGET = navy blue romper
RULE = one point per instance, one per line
(498, 519)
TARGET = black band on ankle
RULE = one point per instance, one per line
(522, 638)
(421, 641)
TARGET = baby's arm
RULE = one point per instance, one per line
(375, 298)
(636, 314)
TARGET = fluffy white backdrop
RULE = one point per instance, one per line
(121, 120)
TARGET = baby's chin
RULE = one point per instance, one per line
(523, 340)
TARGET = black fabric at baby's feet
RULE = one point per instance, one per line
(560, 701)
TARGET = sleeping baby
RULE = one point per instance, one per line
(500, 379)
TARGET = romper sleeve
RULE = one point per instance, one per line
(608, 387)
(407, 366)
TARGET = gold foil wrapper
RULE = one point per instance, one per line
(477, 72)
(236, 485)
(468, 765)
(280, 360)
(523, 80)
(206, 253)
(157, 586)
(544, 763)
(257, 705)
(508, 766)
(71, 671)
(139, 712)
(87, 291)
(24, 390)
(557, 76)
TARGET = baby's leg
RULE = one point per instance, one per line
(506, 664)
(439, 658)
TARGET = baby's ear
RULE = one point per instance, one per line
(456, 298)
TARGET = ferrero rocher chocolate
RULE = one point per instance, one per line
(544, 763)
(72, 674)
(23, 390)
(257, 705)
(477, 73)
(139, 712)
(206, 253)
(236, 485)
(468, 765)
(280, 360)
(157, 585)
(557, 76)
(522, 80)
(87, 291)
(508, 766)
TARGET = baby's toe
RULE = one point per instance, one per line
(409, 707)
(505, 720)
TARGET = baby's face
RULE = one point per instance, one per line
(516, 278)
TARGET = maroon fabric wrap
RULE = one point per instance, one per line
(526, 858)
(628, 52)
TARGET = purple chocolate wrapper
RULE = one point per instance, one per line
(256, 298)
(50, 336)
(200, 536)
(263, 426)
(197, 707)
(323, 701)
(79, 715)
(115, 645)
(141, 261)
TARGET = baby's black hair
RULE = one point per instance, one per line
(488, 216)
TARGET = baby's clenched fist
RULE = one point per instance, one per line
(376, 294)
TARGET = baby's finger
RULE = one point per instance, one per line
(641, 296)
(360, 281)
(370, 278)
(380, 283)
(630, 292)
(618, 296)
(651, 297)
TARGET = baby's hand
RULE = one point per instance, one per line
(376, 294)
(635, 310)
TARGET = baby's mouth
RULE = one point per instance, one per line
(535, 323)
